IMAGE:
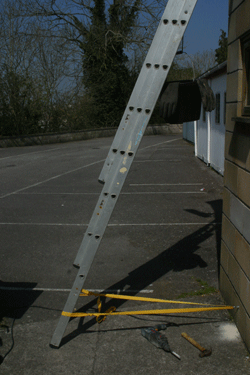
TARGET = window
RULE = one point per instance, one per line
(246, 77)
(217, 108)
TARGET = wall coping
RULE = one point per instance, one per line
(50, 138)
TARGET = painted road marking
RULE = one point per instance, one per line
(53, 178)
(158, 161)
(30, 153)
(179, 184)
(161, 143)
(165, 192)
(113, 225)
(116, 291)
(124, 193)
(76, 169)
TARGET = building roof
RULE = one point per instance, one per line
(215, 71)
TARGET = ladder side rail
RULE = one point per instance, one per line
(107, 200)
(121, 163)
(93, 242)
(137, 121)
(174, 21)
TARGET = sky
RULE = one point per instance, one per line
(203, 30)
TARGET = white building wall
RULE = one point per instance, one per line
(202, 138)
(210, 133)
(217, 142)
(188, 131)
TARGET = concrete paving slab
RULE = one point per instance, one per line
(117, 346)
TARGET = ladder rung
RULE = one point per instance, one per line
(128, 137)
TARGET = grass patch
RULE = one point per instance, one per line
(3, 324)
(204, 289)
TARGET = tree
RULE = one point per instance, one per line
(35, 71)
(19, 113)
(221, 52)
(187, 66)
(106, 34)
(20, 110)
(106, 76)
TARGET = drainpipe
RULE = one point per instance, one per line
(209, 133)
(196, 138)
(208, 137)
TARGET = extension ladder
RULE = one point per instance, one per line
(127, 139)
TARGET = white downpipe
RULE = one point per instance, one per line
(196, 138)
(208, 138)
(209, 133)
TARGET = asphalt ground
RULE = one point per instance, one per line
(162, 241)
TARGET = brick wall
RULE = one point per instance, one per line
(235, 247)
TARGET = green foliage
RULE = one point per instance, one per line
(94, 43)
(178, 73)
(26, 107)
(106, 77)
(221, 52)
(20, 110)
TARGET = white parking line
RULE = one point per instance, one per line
(111, 225)
(30, 153)
(179, 184)
(77, 169)
(158, 161)
(48, 224)
(161, 224)
(161, 143)
(124, 193)
(115, 291)
(164, 192)
(52, 178)
(61, 193)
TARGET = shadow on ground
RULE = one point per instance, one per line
(16, 299)
(177, 258)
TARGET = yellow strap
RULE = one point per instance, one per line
(103, 316)
(99, 304)
(143, 312)
(150, 312)
(145, 299)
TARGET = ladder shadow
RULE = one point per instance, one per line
(179, 257)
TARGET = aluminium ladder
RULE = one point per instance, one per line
(126, 142)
